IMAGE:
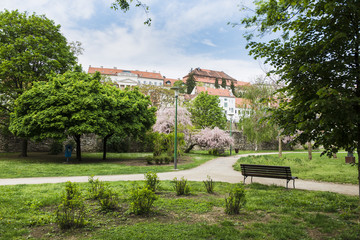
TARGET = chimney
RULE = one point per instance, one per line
(102, 66)
(115, 68)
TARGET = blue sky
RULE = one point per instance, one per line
(184, 34)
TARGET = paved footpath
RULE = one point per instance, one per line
(219, 169)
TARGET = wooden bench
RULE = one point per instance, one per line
(282, 172)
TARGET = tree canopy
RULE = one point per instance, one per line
(76, 103)
(316, 53)
(31, 47)
(190, 83)
(206, 112)
(256, 127)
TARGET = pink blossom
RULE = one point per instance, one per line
(165, 119)
(213, 138)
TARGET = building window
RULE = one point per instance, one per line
(225, 105)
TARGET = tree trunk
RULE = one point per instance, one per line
(310, 150)
(104, 145)
(78, 147)
(24, 148)
(187, 150)
(280, 147)
(358, 151)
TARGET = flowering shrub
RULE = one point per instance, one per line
(213, 139)
(165, 119)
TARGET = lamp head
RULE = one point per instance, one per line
(177, 90)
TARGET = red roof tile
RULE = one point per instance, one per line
(171, 80)
(114, 71)
(209, 76)
(242, 103)
(213, 91)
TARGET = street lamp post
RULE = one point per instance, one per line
(231, 116)
(176, 89)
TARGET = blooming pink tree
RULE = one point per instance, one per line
(165, 120)
(213, 139)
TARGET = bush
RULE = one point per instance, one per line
(149, 160)
(209, 185)
(152, 181)
(71, 211)
(181, 186)
(142, 200)
(236, 200)
(97, 188)
(107, 198)
(56, 147)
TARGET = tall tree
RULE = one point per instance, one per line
(316, 53)
(124, 5)
(190, 83)
(255, 127)
(31, 47)
(232, 87)
(206, 112)
(217, 83)
(181, 85)
(125, 112)
(223, 83)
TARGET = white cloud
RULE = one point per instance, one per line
(130, 45)
(208, 42)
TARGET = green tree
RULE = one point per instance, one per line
(316, 53)
(217, 83)
(256, 127)
(76, 103)
(190, 83)
(181, 85)
(128, 114)
(232, 87)
(206, 112)
(223, 83)
(31, 47)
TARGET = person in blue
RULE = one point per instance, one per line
(68, 150)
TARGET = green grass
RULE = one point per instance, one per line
(27, 212)
(319, 168)
(45, 165)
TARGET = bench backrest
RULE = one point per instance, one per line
(266, 171)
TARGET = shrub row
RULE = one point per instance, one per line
(159, 160)
(71, 211)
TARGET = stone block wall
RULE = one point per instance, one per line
(93, 143)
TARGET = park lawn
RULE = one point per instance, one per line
(271, 212)
(318, 169)
(45, 165)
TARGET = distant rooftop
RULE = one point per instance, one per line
(115, 71)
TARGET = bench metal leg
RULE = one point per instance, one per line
(287, 183)
(245, 179)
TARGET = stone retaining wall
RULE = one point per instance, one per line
(92, 143)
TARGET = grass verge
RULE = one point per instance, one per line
(27, 212)
(45, 165)
(319, 168)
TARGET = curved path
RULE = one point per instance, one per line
(219, 169)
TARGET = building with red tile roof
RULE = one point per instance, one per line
(208, 78)
(124, 78)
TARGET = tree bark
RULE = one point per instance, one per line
(78, 147)
(187, 150)
(104, 145)
(24, 148)
(280, 147)
(310, 150)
